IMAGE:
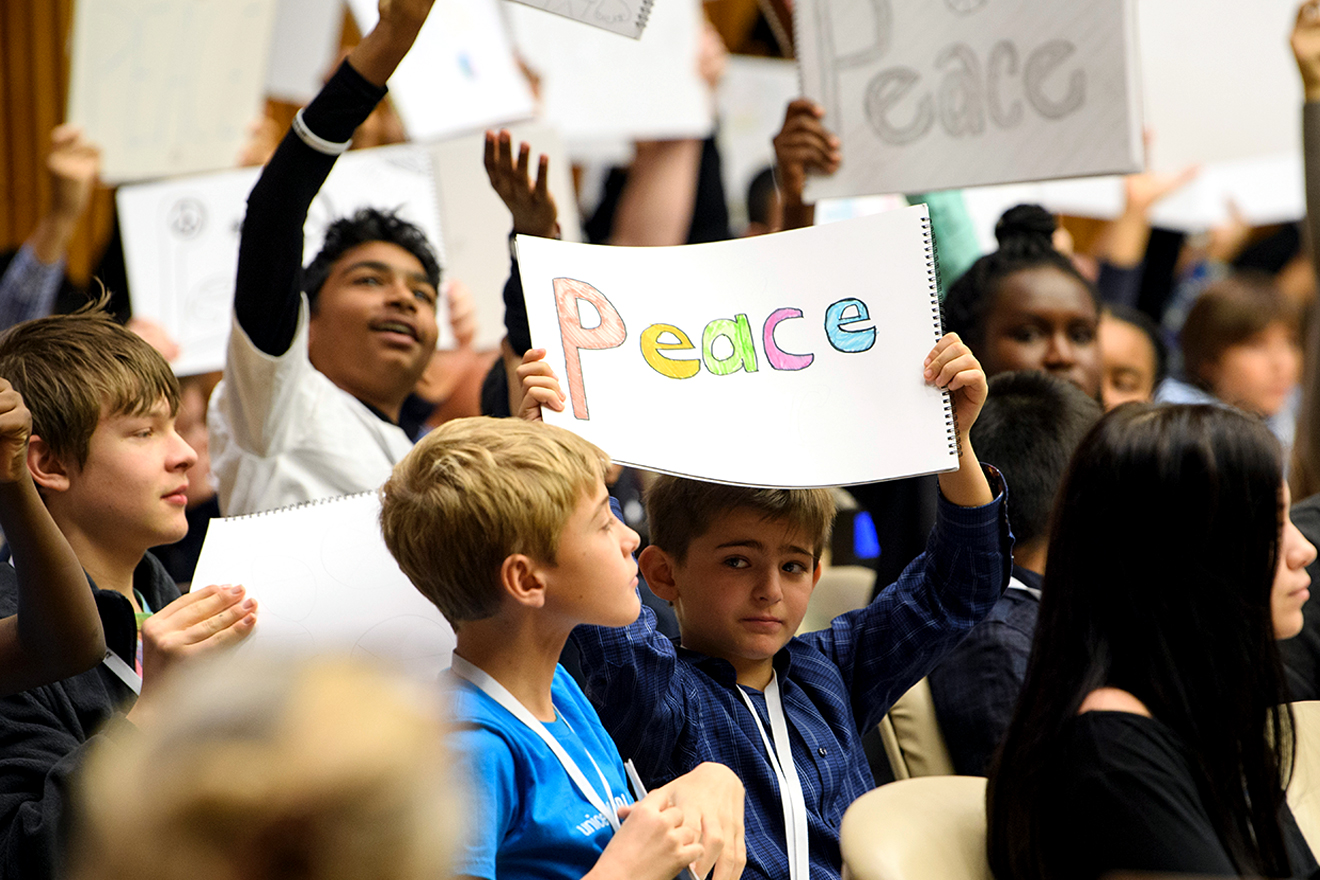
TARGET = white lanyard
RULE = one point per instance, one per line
(501, 695)
(790, 787)
(127, 674)
(1015, 584)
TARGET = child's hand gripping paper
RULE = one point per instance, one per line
(952, 367)
(540, 386)
(199, 622)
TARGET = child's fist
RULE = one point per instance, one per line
(15, 428)
(952, 366)
(539, 385)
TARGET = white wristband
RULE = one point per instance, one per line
(315, 141)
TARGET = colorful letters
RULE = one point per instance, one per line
(609, 333)
(841, 330)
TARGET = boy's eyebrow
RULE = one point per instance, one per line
(378, 266)
(758, 545)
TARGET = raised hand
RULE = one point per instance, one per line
(952, 366)
(15, 428)
(531, 204)
(803, 145)
(1306, 47)
(74, 164)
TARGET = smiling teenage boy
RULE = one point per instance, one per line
(321, 360)
(111, 470)
(739, 565)
(507, 528)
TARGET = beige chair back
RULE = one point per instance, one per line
(912, 738)
(1304, 787)
(917, 829)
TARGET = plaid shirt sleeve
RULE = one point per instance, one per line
(888, 646)
(635, 671)
(28, 288)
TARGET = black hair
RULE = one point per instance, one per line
(1028, 428)
(1146, 324)
(1161, 564)
(1025, 236)
(760, 195)
(368, 225)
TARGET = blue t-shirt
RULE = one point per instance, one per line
(527, 818)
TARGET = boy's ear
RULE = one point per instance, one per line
(521, 580)
(48, 471)
(657, 569)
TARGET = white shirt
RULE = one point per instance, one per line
(282, 433)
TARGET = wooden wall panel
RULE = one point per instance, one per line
(34, 82)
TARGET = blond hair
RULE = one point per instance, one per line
(679, 510)
(73, 369)
(474, 492)
(254, 768)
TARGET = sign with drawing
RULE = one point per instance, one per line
(937, 94)
(181, 239)
(792, 359)
(627, 17)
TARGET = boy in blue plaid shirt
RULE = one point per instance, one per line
(740, 689)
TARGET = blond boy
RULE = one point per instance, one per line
(506, 526)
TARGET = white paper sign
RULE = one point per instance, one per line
(792, 359)
(168, 87)
(596, 87)
(627, 17)
(460, 75)
(937, 94)
(304, 48)
(752, 96)
(181, 239)
(477, 223)
(325, 583)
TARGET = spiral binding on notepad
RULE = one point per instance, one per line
(937, 320)
(315, 502)
(644, 14)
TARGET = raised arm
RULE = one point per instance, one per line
(266, 295)
(534, 212)
(1305, 472)
(57, 631)
(32, 281)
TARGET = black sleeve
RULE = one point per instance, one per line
(266, 292)
(515, 312)
(46, 739)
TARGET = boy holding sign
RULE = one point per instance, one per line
(741, 689)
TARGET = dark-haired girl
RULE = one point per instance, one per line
(1025, 307)
(1152, 732)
